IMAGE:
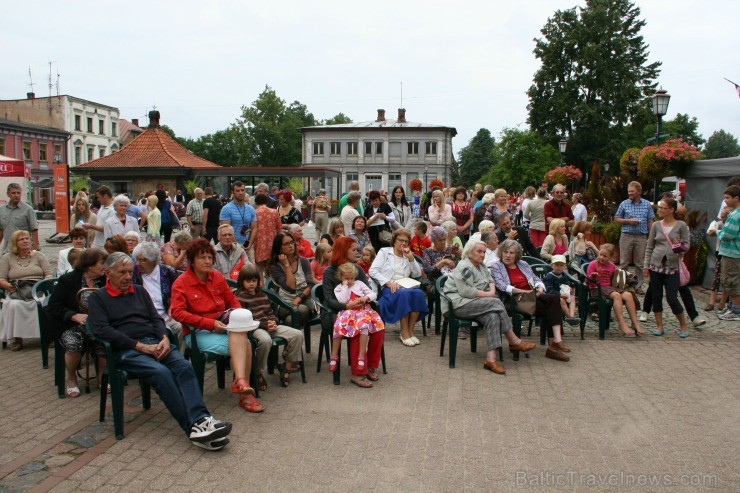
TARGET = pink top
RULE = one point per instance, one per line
(560, 249)
(605, 272)
(344, 292)
(318, 270)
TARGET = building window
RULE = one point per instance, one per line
(379, 148)
(101, 152)
(42, 151)
(113, 126)
(101, 127)
(90, 151)
(2, 144)
(368, 148)
(336, 148)
(431, 148)
(351, 148)
(412, 148)
(78, 155)
(318, 148)
(373, 182)
(58, 150)
(394, 180)
(78, 122)
(27, 150)
(89, 125)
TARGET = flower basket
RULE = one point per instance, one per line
(669, 158)
(436, 183)
(564, 175)
(630, 160)
(416, 185)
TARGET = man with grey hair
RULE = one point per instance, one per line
(558, 208)
(320, 212)
(264, 189)
(230, 256)
(194, 214)
(354, 186)
(120, 223)
(17, 215)
(124, 315)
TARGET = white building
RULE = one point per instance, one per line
(94, 127)
(380, 154)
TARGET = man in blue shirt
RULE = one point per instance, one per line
(137, 213)
(240, 216)
(636, 217)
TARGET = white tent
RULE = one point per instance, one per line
(12, 170)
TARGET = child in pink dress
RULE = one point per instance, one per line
(350, 323)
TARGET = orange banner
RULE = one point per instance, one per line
(61, 197)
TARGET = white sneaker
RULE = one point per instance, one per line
(214, 445)
(699, 321)
(209, 429)
(643, 316)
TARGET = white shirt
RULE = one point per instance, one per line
(580, 213)
(63, 265)
(490, 258)
(114, 226)
(153, 286)
(104, 213)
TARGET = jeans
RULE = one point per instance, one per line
(173, 378)
(671, 282)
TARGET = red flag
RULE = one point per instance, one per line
(737, 88)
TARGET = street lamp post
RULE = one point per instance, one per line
(660, 107)
(606, 169)
(426, 185)
(563, 145)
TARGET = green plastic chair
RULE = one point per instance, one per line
(41, 292)
(603, 304)
(270, 290)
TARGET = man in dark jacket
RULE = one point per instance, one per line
(507, 231)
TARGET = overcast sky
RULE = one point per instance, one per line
(464, 64)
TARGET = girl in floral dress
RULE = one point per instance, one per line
(349, 323)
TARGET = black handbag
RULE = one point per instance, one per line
(526, 303)
(23, 290)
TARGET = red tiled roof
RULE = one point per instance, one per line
(152, 149)
(127, 127)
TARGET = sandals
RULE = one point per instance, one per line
(241, 386)
(73, 391)
(362, 382)
(284, 375)
(261, 382)
(250, 404)
(372, 375)
(408, 342)
(16, 346)
(333, 363)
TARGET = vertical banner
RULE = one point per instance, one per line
(61, 197)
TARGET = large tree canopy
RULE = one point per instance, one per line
(476, 159)
(595, 79)
(721, 144)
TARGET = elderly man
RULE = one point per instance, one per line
(559, 208)
(264, 189)
(120, 223)
(17, 215)
(105, 197)
(194, 214)
(302, 245)
(230, 256)
(507, 231)
(124, 315)
(320, 212)
(157, 279)
(636, 217)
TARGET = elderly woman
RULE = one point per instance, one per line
(438, 211)
(401, 208)
(492, 244)
(132, 239)
(302, 245)
(20, 268)
(581, 249)
(345, 250)
(514, 276)
(485, 226)
(336, 230)
(439, 259)
(64, 307)
(472, 291)
(500, 207)
(392, 264)
(379, 217)
(79, 240)
(452, 237)
(230, 255)
(288, 213)
(174, 253)
(349, 212)
(157, 279)
(359, 233)
(82, 215)
(462, 212)
(120, 223)
(200, 298)
(535, 214)
(292, 275)
(556, 243)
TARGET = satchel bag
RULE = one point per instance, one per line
(23, 290)
(384, 237)
(683, 272)
(678, 249)
(526, 303)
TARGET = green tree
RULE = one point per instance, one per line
(269, 129)
(224, 147)
(594, 80)
(522, 158)
(337, 119)
(721, 144)
(476, 159)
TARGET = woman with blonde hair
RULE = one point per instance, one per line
(438, 211)
(153, 220)
(556, 243)
(82, 214)
(499, 207)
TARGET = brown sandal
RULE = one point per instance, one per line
(362, 382)
(372, 375)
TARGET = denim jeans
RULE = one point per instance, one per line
(173, 378)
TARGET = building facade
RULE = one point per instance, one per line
(94, 127)
(380, 154)
(39, 147)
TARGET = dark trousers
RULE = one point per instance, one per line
(211, 234)
(686, 297)
(166, 231)
(548, 307)
(655, 293)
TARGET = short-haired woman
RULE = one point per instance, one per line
(79, 240)
(359, 232)
(160, 279)
(394, 263)
(336, 230)
(174, 253)
(499, 207)
(120, 223)
(579, 210)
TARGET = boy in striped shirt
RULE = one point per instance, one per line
(729, 248)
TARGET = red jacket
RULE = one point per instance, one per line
(199, 303)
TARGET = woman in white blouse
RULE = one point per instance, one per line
(579, 210)
(79, 238)
(439, 212)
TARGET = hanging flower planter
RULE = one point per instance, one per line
(564, 175)
(669, 158)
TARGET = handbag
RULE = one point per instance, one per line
(384, 237)
(23, 290)
(683, 272)
(526, 303)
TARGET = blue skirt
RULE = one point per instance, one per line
(393, 307)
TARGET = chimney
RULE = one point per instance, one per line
(154, 119)
(381, 115)
(31, 95)
(135, 121)
(401, 115)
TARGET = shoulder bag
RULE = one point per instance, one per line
(526, 303)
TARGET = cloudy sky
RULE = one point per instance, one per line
(465, 64)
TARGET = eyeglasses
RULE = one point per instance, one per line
(558, 192)
(289, 243)
(402, 240)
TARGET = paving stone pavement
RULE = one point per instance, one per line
(638, 414)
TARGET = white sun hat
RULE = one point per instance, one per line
(240, 320)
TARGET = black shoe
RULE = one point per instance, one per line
(212, 446)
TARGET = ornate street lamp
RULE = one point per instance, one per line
(563, 145)
(426, 186)
(660, 107)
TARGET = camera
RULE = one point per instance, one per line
(243, 230)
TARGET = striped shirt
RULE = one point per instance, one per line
(729, 236)
(642, 210)
(195, 211)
